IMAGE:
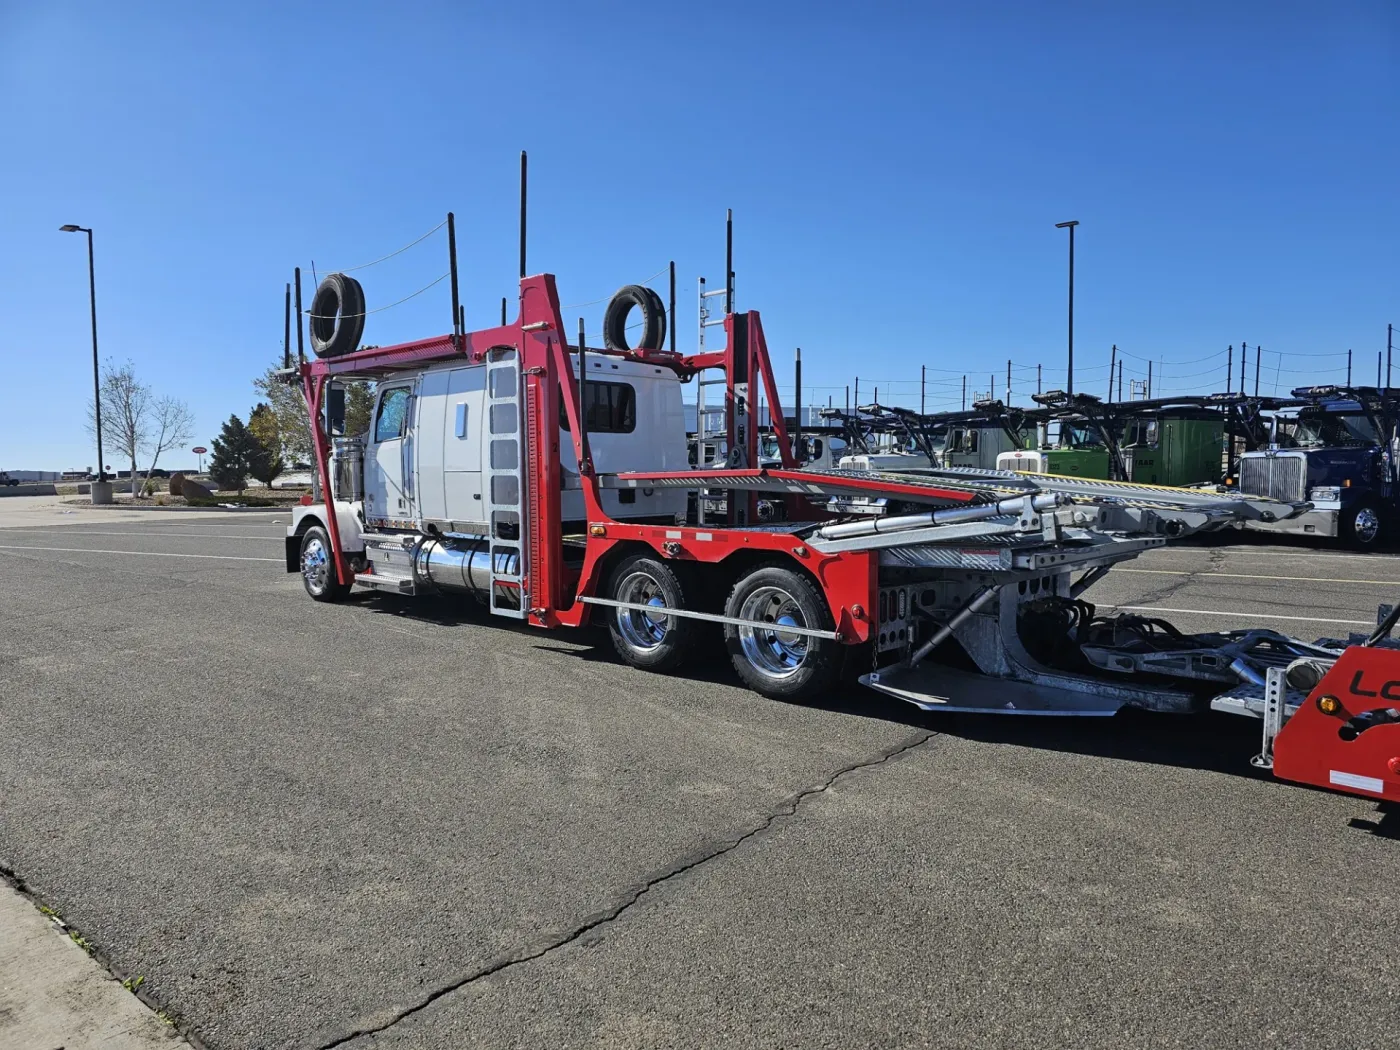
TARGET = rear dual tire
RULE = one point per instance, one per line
(649, 640)
(779, 664)
(776, 663)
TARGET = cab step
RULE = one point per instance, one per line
(383, 581)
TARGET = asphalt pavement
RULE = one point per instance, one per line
(402, 824)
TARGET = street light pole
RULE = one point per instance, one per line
(1069, 377)
(96, 380)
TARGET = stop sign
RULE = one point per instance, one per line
(199, 450)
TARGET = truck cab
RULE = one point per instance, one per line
(1335, 448)
(441, 450)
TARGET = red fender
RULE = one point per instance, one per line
(1357, 748)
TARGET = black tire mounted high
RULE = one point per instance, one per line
(337, 316)
(637, 639)
(816, 671)
(620, 308)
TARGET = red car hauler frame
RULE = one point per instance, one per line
(1343, 734)
(551, 592)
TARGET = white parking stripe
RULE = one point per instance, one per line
(142, 554)
(75, 531)
(1205, 575)
(1236, 615)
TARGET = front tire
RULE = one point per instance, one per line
(773, 662)
(1361, 527)
(317, 567)
(649, 640)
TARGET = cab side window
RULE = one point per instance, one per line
(392, 419)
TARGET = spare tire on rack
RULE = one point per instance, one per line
(337, 316)
(620, 308)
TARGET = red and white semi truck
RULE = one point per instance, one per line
(548, 481)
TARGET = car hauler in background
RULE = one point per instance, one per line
(1165, 441)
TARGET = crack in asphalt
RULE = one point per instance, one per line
(1216, 560)
(788, 809)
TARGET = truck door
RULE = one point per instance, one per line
(389, 458)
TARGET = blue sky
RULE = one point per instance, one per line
(895, 170)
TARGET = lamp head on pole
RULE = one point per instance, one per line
(71, 228)
(1062, 225)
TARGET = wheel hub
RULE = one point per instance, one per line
(1368, 524)
(314, 564)
(643, 630)
(772, 651)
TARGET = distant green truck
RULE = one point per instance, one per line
(1162, 442)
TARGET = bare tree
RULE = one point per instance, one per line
(135, 421)
(126, 407)
(172, 424)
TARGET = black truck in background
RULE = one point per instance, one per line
(1334, 447)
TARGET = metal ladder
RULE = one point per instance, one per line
(505, 484)
(701, 433)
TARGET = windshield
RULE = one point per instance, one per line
(1324, 431)
(1141, 432)
(1079, 435)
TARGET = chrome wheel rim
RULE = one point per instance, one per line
(1368, 524)
(773, 652)
(315, 564)
(642, 630)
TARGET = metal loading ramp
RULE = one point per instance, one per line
(1024, 547)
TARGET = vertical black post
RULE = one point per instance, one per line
(1069, 377)
(462, 319)
(1379, 359)
(848, 399)
(797, 396)
(1112, 365)
(964, 394)
(287, 329)
(583, 401)
(992, 387)
(1037, 382)
(1244, 358)
(524, 170)
(96, 380)
(1348, 368)
(857, 393)
(457, 326)
(923, 383)
(1257, 348)
(1230, 370)
(673, 306)
(301, 350)
(1120, 380)
(503, 311)
(728, 262)
(1389, 344)
(1008, 382)
(1149, 378)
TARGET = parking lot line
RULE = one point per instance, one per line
(1205, 575)
(75, 531)
(141, 554)
(1237, 615)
